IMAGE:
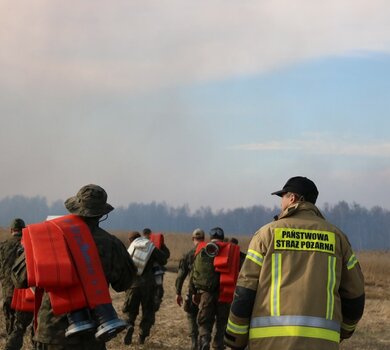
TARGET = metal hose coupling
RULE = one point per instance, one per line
(212, 249)
(109, 325)
(103, 320)
(80, 322)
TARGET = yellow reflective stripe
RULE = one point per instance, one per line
(254, 256)
(352, 262)
(236, 328)
(294, 331)
(348, 327)
(275, 284)
(330, 287)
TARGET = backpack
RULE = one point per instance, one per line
(204, 276)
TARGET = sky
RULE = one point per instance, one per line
(200, 103)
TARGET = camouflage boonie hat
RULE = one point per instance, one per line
(90, 201)
(17, 224)
(198, 233)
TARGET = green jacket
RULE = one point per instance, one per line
(300, 287)
(118, 268)
(9, 252)
(185, 267)
(203, 274)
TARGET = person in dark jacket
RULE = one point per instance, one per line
(16, 321)
(159, 271)
(89, 204)
(185, 267)
(142, 290)
(205, 288)
(242, 254)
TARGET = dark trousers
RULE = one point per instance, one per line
(81, 346)
(16, 324)
(85, 341)
(210, 312)
(144, 297)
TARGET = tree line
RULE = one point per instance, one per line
(367, 229)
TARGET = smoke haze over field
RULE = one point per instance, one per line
(207, 103)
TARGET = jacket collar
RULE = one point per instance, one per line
(299, 207)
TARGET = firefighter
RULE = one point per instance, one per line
(301, 286)
(142, 291)
(158, 270)
(16, 321)
(90, 205)
(205, 290)
(185, 267)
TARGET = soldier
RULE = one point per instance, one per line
(185, 267)
(16, 321)
(90, 205)
(159, 271)
(142, 290)
(301, 286)
(205, 282)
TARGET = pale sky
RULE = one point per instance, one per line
(206, 103)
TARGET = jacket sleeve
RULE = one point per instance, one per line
(166, 251)
(123, 270)
(351, 291)
(237, 331)
(19, 272)
(182, 273)
(159, 256)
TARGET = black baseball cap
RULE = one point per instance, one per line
(300, 185)
(217, 233)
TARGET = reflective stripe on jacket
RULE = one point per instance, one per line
(298, 275)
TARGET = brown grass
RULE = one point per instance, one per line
(170, 330)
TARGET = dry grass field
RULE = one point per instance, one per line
(170, 330)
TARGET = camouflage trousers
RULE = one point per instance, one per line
(212, 312)
(16, 325)
(86, 341)
(144, 297)
(41, 346)
(192, 314)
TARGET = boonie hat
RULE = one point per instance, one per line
(17, 224)
(300, 185)
(90, 201)
(217, 233)
(198, 233)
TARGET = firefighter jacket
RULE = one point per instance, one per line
(300, 287)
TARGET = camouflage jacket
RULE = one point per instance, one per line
(119, 270)
(9, 252)
(185, 267)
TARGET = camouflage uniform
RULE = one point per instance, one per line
(142, 292)
(90, 204)
(185, 267)
(210, 310)
(16, 321)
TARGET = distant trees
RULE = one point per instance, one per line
(366, 228)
